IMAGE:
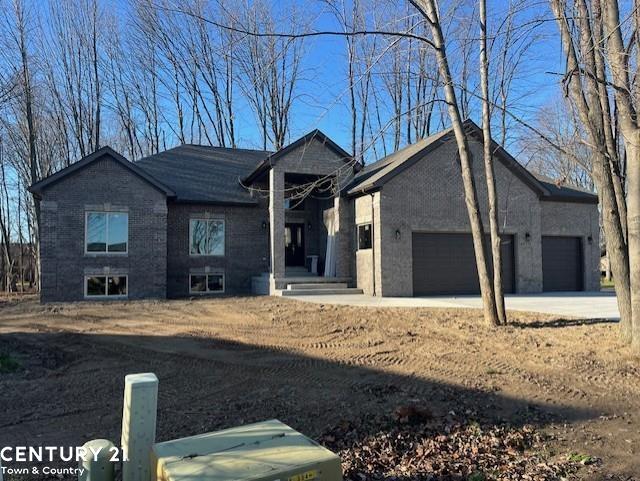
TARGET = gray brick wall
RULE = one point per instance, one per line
(246, 246)
(577, 220)
(103, 185)
(429, 197)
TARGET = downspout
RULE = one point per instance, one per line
(373, 248)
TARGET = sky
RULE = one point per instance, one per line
(323, 91)
(537, 84)
(323, 95)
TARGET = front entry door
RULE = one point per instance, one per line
(294, 244)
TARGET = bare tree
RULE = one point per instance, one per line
(586, 86)
(624, 92)
(429, 10)
(489, 168)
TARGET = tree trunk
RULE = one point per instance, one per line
(586, 96)
(619, 64)
(429, 10)
(28, 99)
(489, 169)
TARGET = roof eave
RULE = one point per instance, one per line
(228, 203)
(594, 199)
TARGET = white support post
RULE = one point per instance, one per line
(139, 425)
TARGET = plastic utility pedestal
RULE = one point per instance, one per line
(96, 463)
(266, 451)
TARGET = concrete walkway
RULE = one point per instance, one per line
(587, 305)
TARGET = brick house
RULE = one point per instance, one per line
(197, 220)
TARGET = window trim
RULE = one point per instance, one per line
(358, 248)
(107, 252)
(224, 236)
(105, 295)
(206, 292)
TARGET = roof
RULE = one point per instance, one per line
(205, 174)
(375, 175)
(566, 193)
(38, 187)
(265, 164)
(199, 173)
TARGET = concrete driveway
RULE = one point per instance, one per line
(587, 305)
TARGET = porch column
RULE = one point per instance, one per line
(276, 221)
(344, 231)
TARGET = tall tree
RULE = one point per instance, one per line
(489, 168)
(429, 11)
(585, 79)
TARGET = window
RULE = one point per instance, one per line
(106, 286)
(206, 237)
(364, 236)
(204, 283)
(106, 232)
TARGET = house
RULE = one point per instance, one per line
(207, 220)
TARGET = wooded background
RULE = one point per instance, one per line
(145, 75)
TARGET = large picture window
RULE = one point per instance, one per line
(206, 237)
(206, 283)
(364, 236)
(107, 232)
(106, 286)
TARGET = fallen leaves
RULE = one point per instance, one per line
(413, 444)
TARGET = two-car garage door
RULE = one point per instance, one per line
(445, 264)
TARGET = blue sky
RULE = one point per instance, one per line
(327, 108)
(323, 96)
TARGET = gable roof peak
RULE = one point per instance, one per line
(38, 187)
(272, 158)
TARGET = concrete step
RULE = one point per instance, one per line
(318, 285)
(283, 282)
(321, 292)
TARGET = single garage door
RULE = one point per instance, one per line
(561, 264)
(446, 264)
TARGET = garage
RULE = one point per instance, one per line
(562, 264)
(445, 264)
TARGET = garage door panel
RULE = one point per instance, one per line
(445, 264)
(562, 261)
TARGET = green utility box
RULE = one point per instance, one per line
(266, 451)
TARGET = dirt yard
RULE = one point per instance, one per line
(378, 385)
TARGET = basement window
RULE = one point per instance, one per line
(206, 283)
(106, 232)
(105, 286)
(364, 236)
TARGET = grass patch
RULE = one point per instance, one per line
(605, 283)
(581, 458)
(8, 364)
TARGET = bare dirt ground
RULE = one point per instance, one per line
(354, 378)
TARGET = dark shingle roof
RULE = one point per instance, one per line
(565, 193)
(199, 173)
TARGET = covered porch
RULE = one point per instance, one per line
(305, 235)
(310, 224)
